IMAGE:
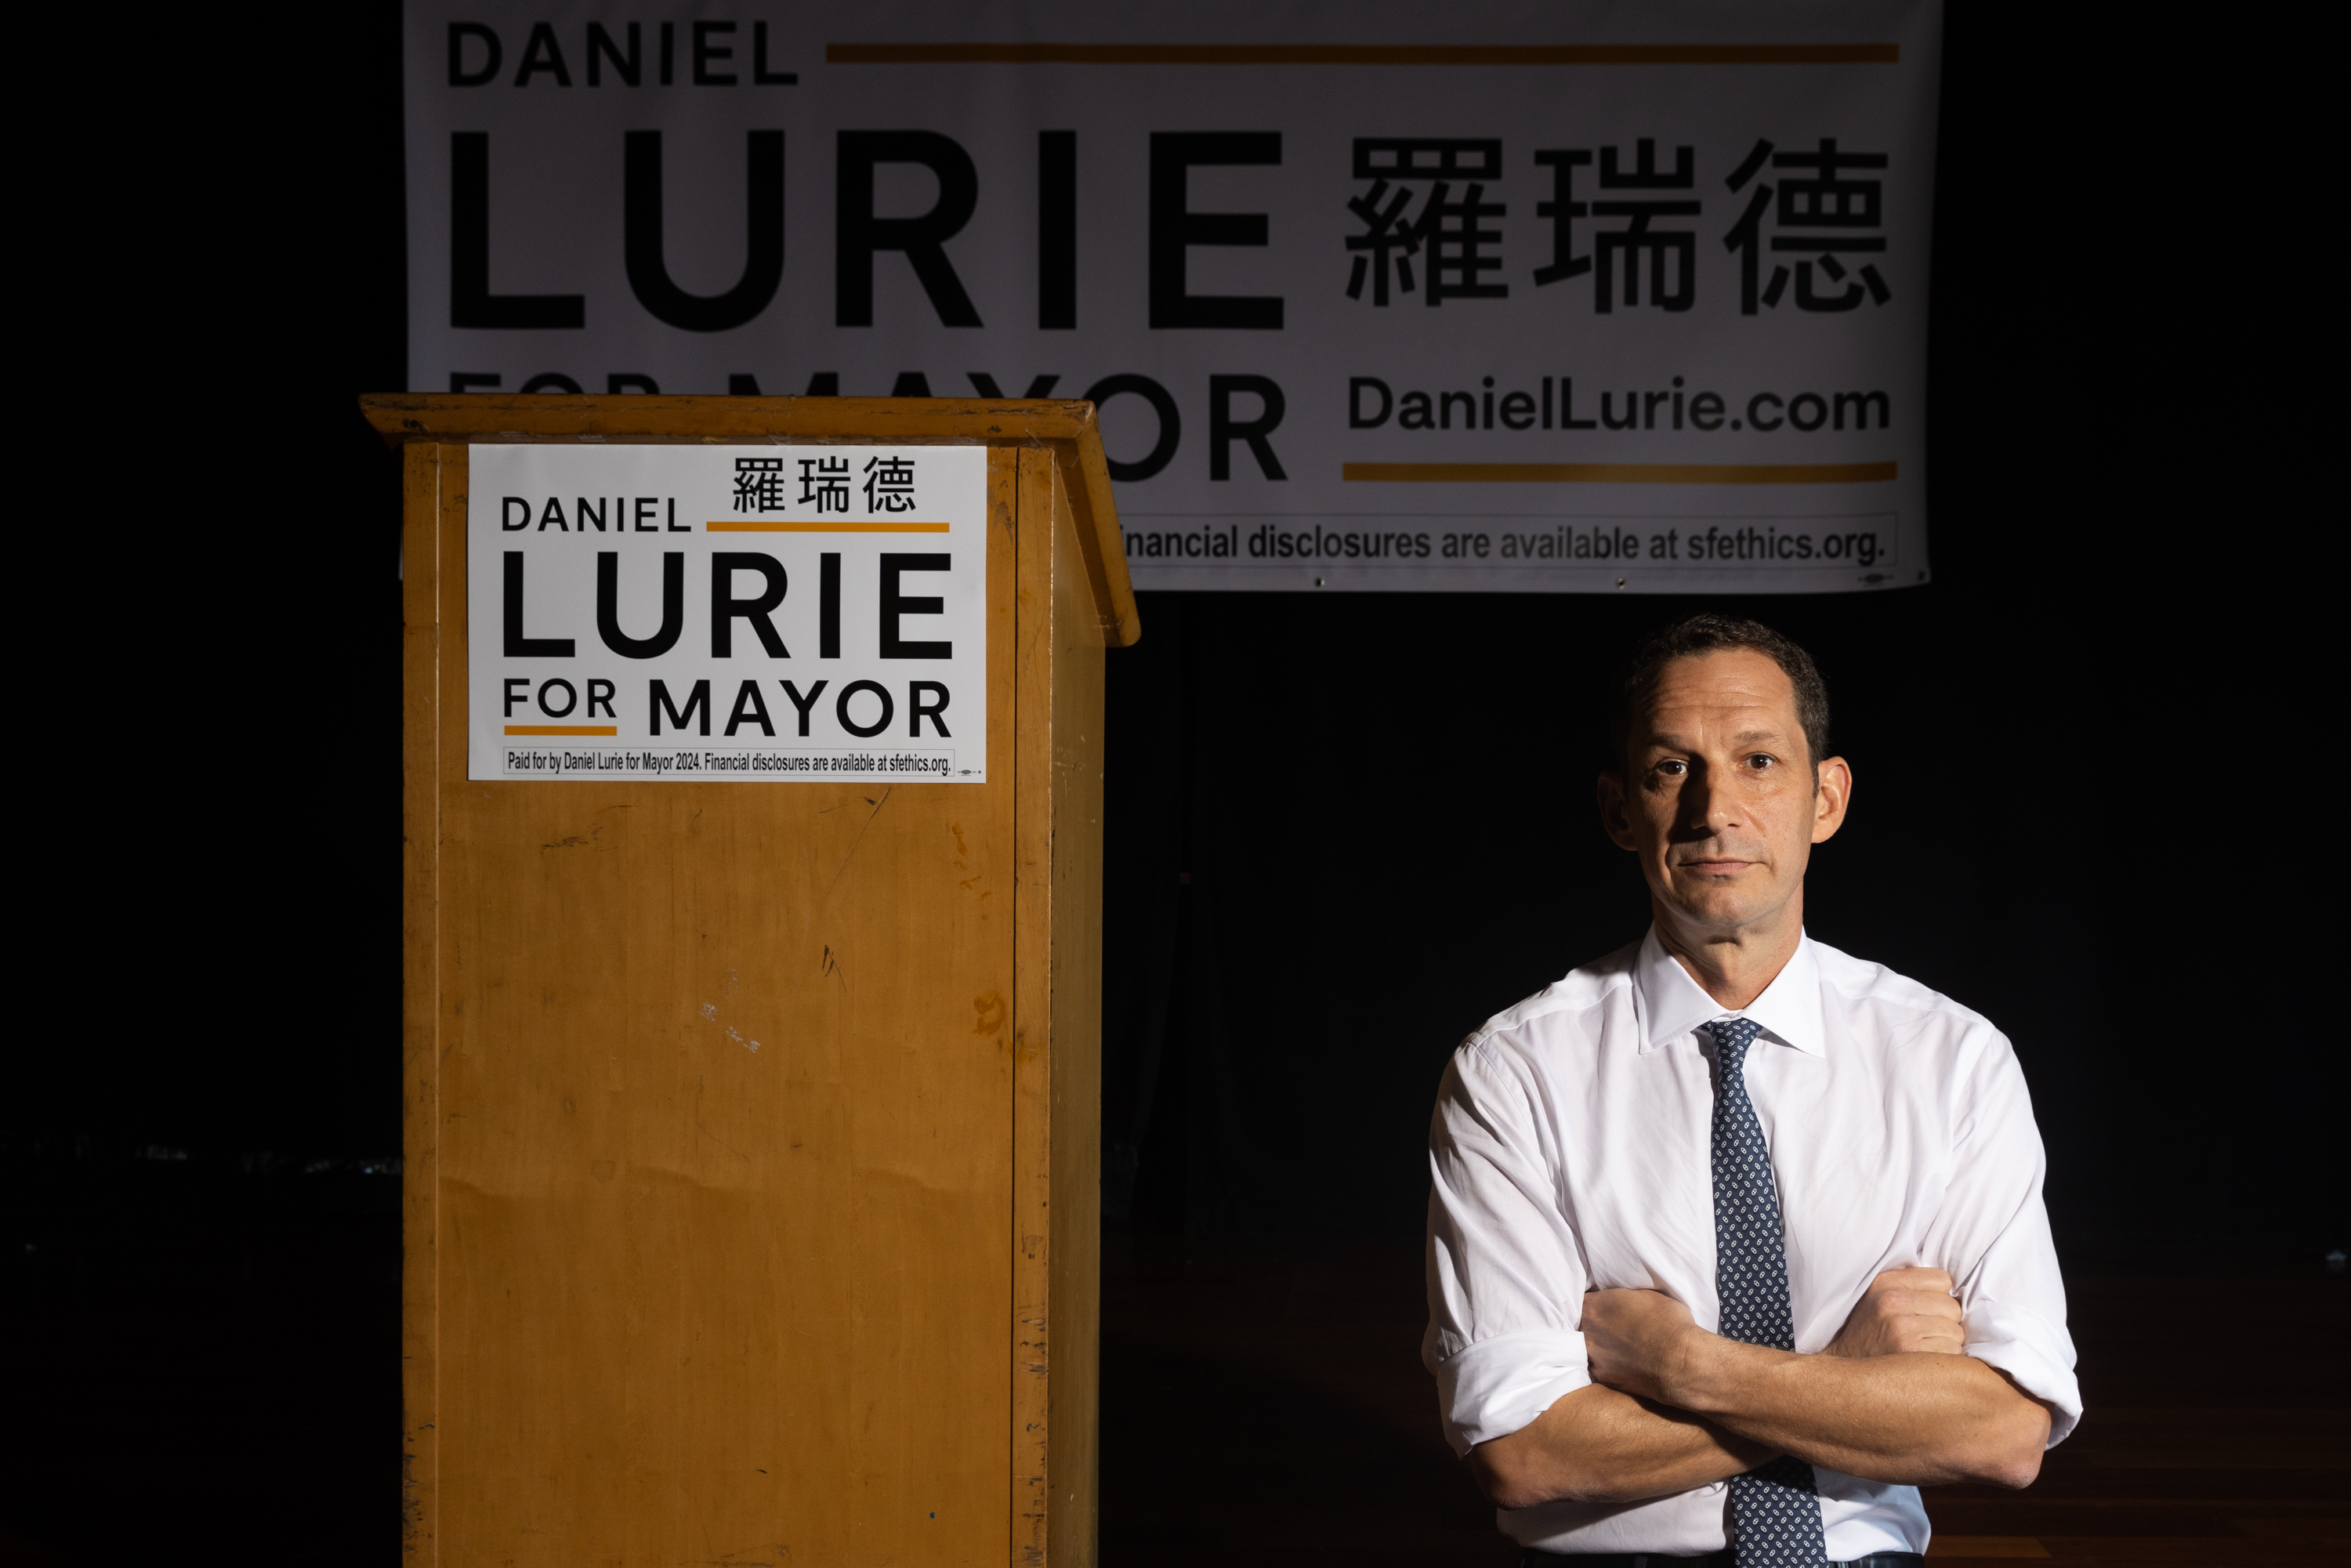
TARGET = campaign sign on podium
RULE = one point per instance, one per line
(748, 613)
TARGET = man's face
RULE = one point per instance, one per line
(1717, 798)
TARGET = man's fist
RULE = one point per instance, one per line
(1905, 1309)
(1633, 1339)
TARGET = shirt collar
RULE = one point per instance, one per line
(1672, 1004)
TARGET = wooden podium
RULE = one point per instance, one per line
(753, 1128)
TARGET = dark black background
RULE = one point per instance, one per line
(2091, 756)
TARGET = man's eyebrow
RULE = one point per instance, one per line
(1744, 737)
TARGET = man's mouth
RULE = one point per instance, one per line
(1714, 867)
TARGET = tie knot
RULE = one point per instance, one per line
(1732, 1037)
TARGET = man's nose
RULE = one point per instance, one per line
(1707, 801)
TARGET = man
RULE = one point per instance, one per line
(1736, 1240)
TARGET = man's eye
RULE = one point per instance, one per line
(1672, 767)
(1759, 761)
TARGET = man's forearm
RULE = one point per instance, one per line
(1598, 1444)
(1914, 1419)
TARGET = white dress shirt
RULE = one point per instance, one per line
(1570, 1152)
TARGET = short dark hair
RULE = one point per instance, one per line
(1706, 633)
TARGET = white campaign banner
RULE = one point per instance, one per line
(744, 613)
(1555, 295)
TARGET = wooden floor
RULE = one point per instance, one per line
(1266, 1405)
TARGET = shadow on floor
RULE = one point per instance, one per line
(1269, 1405)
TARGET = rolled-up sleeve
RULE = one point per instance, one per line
(1992, 1237)
(1506, 1276)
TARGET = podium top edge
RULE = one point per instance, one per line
(407, 418)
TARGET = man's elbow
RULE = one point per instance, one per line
(2015, 1468)
(2009, 1453)
(1505, 1475)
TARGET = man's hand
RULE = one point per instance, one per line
(1636, 1340)
(1905, 1309)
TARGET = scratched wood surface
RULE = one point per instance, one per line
(425, 467)
(1075, 949)
(1058, 1078)
(752, 1148)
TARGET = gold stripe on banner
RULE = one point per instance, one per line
(563, 729)
(754, 526)
(1617, 473)
(1363, 54)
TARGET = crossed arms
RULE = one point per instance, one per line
(1672, 1406)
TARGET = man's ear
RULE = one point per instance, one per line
(1612, 821)
(1831, 795)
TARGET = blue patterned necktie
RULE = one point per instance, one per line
(1775, 1513)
